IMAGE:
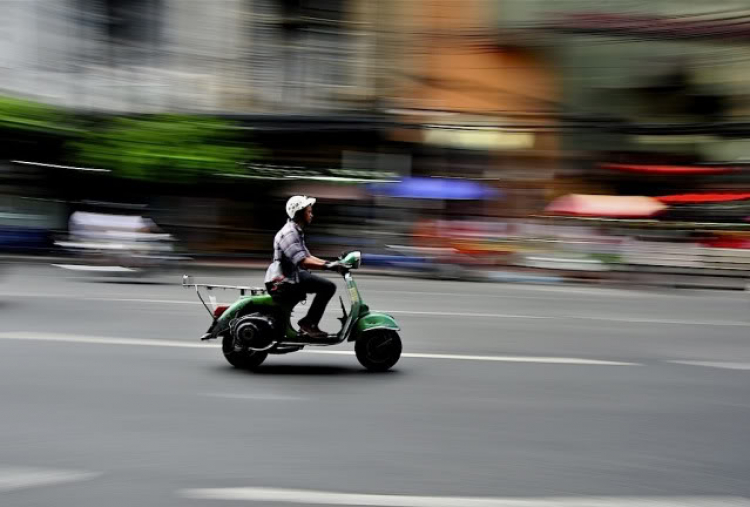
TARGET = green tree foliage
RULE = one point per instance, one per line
(164, 148)
(26, 116)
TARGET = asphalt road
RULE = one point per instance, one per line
(508, 395)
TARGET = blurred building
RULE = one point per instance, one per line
(477, 105)
(646, 85)
(281, 56)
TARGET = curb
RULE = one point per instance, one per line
(733, 284)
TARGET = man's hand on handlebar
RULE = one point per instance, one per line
(336, 266)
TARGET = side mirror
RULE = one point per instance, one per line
(187, 280)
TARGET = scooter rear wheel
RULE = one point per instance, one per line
(378, 350)
(245, 359)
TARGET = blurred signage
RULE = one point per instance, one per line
(479, 138)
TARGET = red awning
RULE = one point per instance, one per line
(670, 169)
(703, 198)
(609, 206)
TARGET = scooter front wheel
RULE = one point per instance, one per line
(378, 350)
(245, 359)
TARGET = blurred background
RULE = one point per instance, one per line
(468, 138)
(602, 146)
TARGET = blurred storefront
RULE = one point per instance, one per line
(473, 106)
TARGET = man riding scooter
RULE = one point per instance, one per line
(288, 276)
(258, 323)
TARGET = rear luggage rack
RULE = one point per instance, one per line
(187, 281)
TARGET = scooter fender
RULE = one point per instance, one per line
(243, 306)
(372, 321)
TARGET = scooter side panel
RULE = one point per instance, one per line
(374, 320)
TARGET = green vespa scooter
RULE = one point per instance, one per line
(258, 324)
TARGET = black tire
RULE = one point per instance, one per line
(378, 350)
(246, 359)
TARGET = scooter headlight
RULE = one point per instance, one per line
(352, 259)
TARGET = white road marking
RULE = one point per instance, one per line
(253, 397)
(555, 291)
(102, 299)
(13, 478)
(101, 340)
(499, 359)
(715, 364)
(85, 267)
(57, 166)
(308, 497)
(679, 322)
(521, 359)
(468, 315)
(631, 320)
(508, 293)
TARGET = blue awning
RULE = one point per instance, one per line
(435, 188)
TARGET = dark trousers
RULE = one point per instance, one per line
(322, 288)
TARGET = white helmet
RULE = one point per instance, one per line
(296, 203)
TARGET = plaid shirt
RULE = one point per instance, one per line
(289, 249)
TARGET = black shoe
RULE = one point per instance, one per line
(312, 330)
